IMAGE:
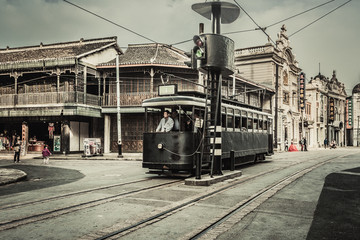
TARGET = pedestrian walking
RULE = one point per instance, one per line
(17, 149)
(304, 142)
(46, 154)
(325, 142)
(301, 144)
(286, 145)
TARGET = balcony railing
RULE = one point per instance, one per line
(127, 99)
(48, 98)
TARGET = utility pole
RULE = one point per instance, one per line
(218, 59)
(118, 107)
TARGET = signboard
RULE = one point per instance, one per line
(92, 147)
(349, 114)
(331, 110)
(57, 143)
(165, 90)
(302, 90)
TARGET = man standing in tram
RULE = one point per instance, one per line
(166, 123)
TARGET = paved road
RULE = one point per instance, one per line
(287, 215)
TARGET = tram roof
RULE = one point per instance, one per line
(176, 100)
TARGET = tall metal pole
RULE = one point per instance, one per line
(216, 79)
(118, 107)
(213, 11)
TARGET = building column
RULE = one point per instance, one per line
(15, 75)
(76, 85)
(152, 74)
(85, 83)
(107, 127)
(24, 138)
(104, 89)
(99, 91)
(65, 137)
(58, 84)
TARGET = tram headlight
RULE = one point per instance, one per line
(160, 146)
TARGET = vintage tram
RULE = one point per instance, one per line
(246, 134)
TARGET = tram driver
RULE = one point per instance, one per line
(166, 123)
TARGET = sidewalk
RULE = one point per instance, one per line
(77, 156)
(8, 175)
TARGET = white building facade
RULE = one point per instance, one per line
(352, 118)
(277, 68)
(327, 112)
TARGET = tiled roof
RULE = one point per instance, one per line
(55, 51)
(156, 53)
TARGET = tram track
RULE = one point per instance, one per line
(247, 202)
(5, 225)
(242, 209)
(16, 205)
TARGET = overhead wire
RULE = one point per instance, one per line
(271, 25)
(319, 18)
(262, 29)
(110, 21)
(298, 14)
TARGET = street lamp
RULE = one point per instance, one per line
(118, 107)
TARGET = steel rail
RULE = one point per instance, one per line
(76, 207)
(275, 186)
(190, 202)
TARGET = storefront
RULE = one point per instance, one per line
(61, 136)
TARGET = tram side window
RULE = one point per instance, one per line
(223, 120)
(230, 120)
(256, 120)
(250, 124)
(237, 123)
(266, 125)
(244, 124)
(261, 122)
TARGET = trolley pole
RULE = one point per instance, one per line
(118, 107)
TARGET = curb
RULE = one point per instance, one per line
(8, 176)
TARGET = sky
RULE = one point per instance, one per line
(333, 41)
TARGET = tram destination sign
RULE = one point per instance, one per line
(166, 90)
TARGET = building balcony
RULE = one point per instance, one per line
(127, 99)
(50, 104)
(8, 100)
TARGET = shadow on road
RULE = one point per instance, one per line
(40, 177)
(337, 213)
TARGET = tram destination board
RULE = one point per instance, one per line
(167, 90)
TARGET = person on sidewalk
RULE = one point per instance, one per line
(325, 142)
(46, 154)
(292, 147)
(17, 149)
(304, 142)
(286, 145)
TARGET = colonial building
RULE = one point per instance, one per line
(51, 93)
(143, 67)
(276, 68)
(352, 117)
(59, 94)
(327, 118)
